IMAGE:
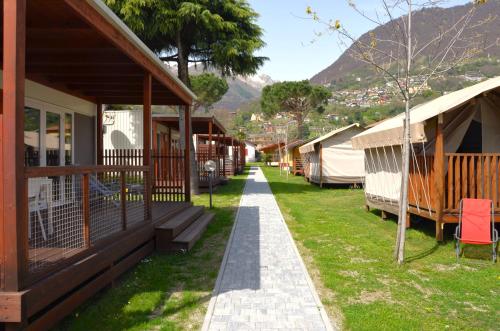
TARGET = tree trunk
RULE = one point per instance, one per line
(300, 126)
(183, 73)
(403, 201)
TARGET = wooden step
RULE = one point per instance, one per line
(166, 232)
(161, 213)
(186, 240)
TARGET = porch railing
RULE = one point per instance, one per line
(202, 157)
(71, 209)
(467, 175)
(168, 175)
(472, 176)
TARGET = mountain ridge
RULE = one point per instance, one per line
(426, 21)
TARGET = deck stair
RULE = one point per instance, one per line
(181, 232)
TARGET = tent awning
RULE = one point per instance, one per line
(309, 147)
(390, 132)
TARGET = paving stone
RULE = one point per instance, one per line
(263, 285)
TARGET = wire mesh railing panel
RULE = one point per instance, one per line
(70, 209)
(55, 220)
(105, 211)
(135, 202)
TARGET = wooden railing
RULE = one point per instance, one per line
(472, 176)
(202, 157)
(168, 175)
(467, 176)
(71, 209)
(298, 167)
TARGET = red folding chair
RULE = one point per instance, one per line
(476, 225)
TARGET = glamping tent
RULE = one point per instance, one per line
(331, 158)
(455, 154)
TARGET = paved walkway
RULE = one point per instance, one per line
(263, 283)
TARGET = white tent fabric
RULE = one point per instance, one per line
(383, 173)
(309, 147)
(340, 163)
(390, 132)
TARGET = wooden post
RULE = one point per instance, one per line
(320, 165)
(86, 209)
(146, 134)
(234, 154)
(99, 135)
(187, 159)
(123, 199)
(224, 154)
(14, 207)
(156, 151)
(439, 174)
(210, 128)
(170, 156)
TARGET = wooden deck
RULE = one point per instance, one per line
(85, 270)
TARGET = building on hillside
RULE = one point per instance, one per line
(455, 154)
(330, 159)
(256, 118)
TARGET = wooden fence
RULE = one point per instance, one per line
(167, 171)
(467, 176)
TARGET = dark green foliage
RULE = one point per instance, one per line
(294, 100)
(209, 89)
(218, 34)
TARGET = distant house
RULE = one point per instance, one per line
(256, 118)
(331, 158)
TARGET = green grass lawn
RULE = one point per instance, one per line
(166, 292)
(349, 255)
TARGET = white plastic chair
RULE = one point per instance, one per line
(40, 198)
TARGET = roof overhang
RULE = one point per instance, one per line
(82, 48)
(200, 124)
(309, 147)
(390, 132)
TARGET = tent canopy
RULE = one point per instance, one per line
(309, 147)
(390, 132)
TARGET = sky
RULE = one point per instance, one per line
(294, 49)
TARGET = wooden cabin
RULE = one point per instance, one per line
(210, 143)
(455, 154)
(70, 224)
(291, 158)
(228, 151)
(330, 159)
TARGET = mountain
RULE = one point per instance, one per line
(427, 23)
(243, 90)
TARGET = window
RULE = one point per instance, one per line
(53, 139)
(68, 139)
(48, 136)
(31, 137)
